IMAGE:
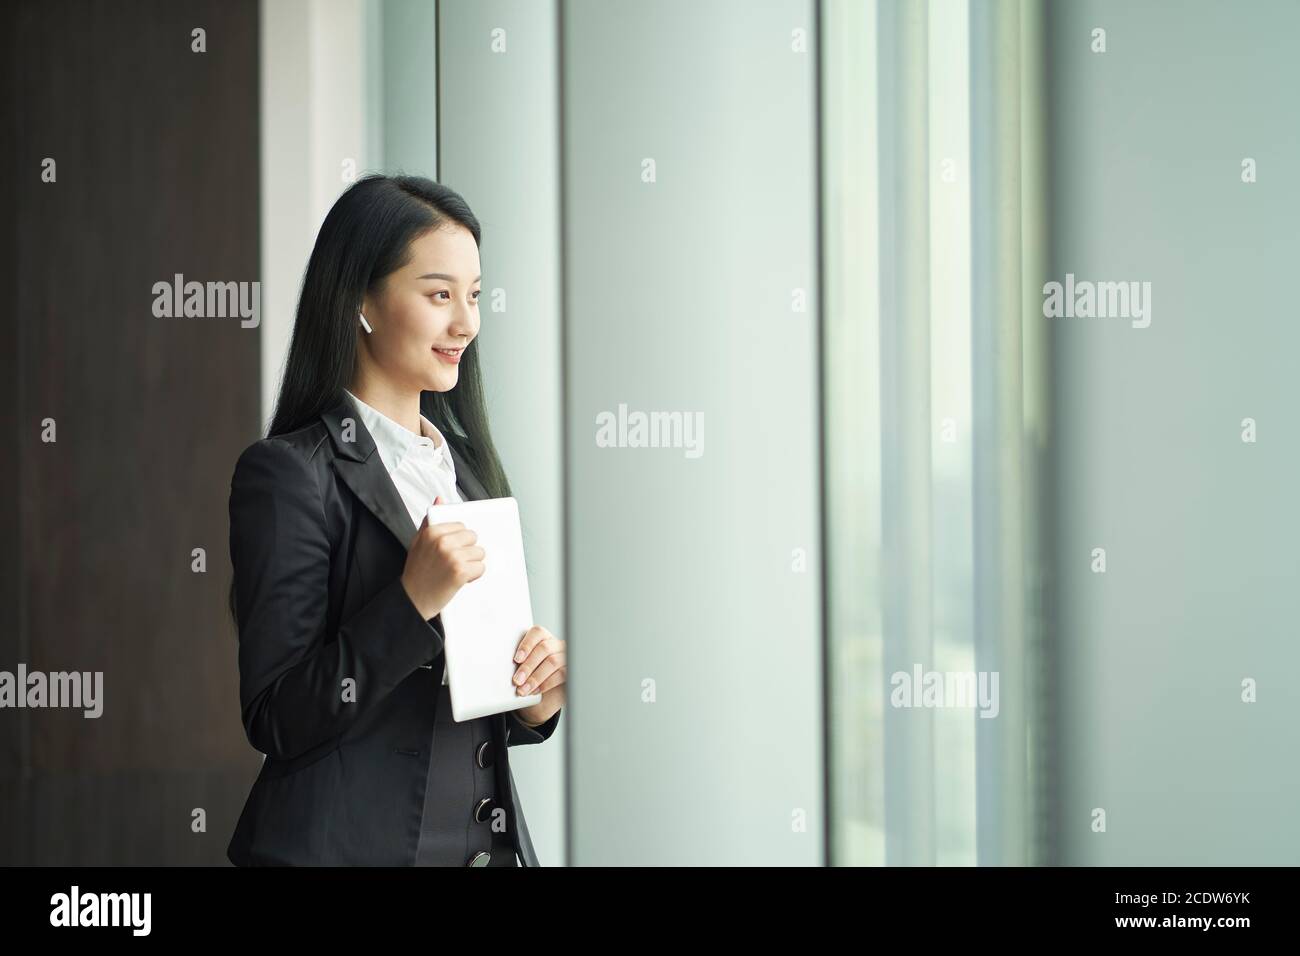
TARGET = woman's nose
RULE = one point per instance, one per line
(466, 321)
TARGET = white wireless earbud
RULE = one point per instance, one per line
(364, 324)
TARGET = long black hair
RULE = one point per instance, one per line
(365, 237)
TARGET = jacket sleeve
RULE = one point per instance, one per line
(518, 732)
(299, 686)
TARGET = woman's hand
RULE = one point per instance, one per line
(443, 557)
(542, 668)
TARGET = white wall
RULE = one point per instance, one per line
(1200, 528)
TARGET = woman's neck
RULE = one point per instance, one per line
(401, 406)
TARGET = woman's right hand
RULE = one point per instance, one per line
(442, 558)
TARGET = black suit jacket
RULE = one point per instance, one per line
(318, 539)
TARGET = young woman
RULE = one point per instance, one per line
(339, 577)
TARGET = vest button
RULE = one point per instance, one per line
(480, 858)
(484, 755)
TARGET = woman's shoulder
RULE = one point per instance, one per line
(305, 449)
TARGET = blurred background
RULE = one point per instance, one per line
(820, 231)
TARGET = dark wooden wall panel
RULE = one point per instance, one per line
(157, 153)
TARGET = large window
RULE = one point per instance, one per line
(933, 417)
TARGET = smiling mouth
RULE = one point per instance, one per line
(455, 351)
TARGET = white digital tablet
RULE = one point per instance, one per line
(487, 618)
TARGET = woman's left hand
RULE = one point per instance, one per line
(542, 668)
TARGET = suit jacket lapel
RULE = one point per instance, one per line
(358, 463)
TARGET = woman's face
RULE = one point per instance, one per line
(429, 304)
